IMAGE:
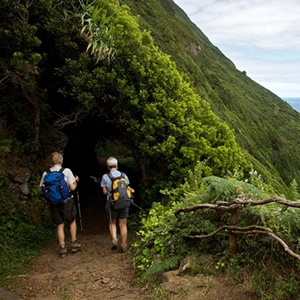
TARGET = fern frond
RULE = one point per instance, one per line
(159, 267)
(221, 189)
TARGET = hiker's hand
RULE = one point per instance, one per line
(132, 190)
(76, 178)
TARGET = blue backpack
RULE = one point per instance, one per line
(55, 189)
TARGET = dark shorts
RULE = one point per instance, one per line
(63, 213)
(113, 214)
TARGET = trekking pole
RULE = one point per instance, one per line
(132, 202)
(79, 211)
(110, 219)
(137, 206)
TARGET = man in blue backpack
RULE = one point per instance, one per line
(64, 210)
(115, 215)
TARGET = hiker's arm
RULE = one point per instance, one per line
(73, 185)
(104, 190)
(42, 179)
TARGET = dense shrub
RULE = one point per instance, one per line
(163, 238)
(24, 228)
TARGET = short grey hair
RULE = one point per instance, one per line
(56, 158)
(112, 162)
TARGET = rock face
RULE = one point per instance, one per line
(19, 179)
(21, 175)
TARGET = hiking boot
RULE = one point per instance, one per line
(63, 251)
(114, 245)
(124, 249)
(75, 246)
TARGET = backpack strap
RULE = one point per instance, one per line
(60, 170)
(112, 177)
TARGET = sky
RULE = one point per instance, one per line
(259, 37)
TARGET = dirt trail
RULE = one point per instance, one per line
(96, 272)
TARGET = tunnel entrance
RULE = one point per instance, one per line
(80, 155)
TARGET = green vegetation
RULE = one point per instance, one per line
(24, 228)
(192, 124)
(163, 239)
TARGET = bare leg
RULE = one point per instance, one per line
(113, 229)
(75, 246)
(123, 231)
(60, 234)
(73, 230)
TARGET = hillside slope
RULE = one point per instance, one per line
(266, 127)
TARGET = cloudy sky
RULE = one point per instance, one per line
(259, 37)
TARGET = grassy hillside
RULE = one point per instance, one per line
(266, 127)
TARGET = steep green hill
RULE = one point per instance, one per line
(49, 81)
(265, 125)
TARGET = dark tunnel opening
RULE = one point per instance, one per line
(80, 156)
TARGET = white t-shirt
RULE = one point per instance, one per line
(69, 177)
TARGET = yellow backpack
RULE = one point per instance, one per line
(121, 196)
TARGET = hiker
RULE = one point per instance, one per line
(65, 210)
(115, 215)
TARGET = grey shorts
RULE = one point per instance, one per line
(63, 213)
(113, 214)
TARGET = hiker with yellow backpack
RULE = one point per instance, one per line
(115, 185)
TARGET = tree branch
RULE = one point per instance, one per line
(74, 117)
(238, 204)
(221, 207)
(250, 202)
(249, 230)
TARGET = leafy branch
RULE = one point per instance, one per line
(97, 32)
